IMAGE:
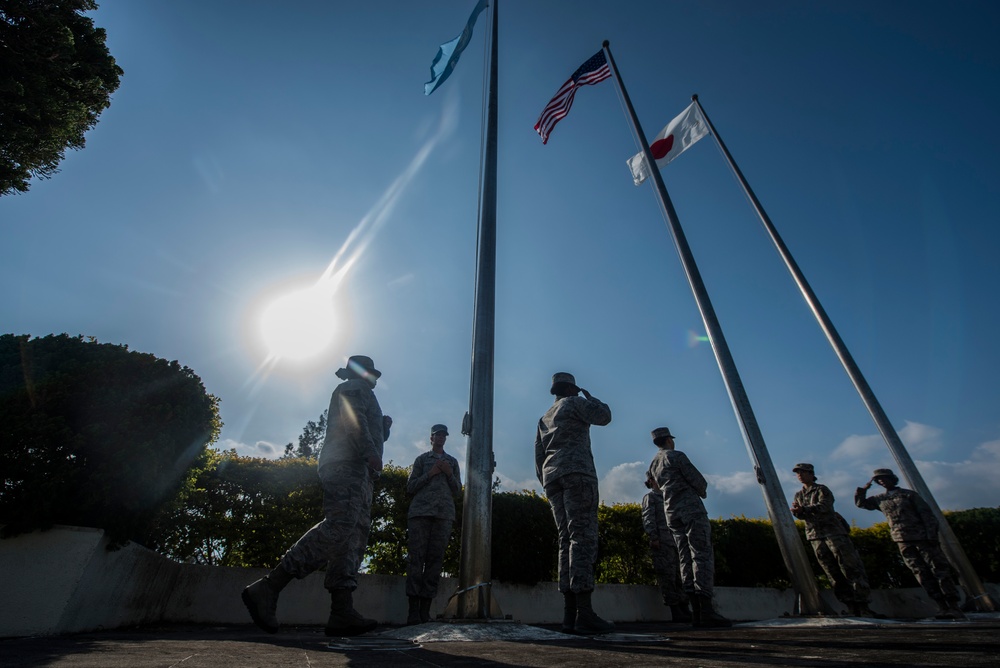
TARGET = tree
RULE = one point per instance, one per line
(310, 441)
(56, 77)
(95, 434)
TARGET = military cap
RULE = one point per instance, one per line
(562, 378)
(803, 466)
(358, 366)
(439, 427)
(883, 473)
(661, 433)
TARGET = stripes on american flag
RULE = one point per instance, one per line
(595, 70)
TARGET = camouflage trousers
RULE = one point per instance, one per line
(339, 540)
(931, 568)
(427, 538)
(666, 565)
(693, 537)
(574, 498)
(843, 567)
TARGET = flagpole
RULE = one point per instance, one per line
(949, 542)
(475, 597)
(792, 550)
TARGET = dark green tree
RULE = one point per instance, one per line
(310, 440)
(56, 77)
(95, 435)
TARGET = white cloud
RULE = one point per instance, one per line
(624, 483)
(920, 440)
(508, 484)
(734, 483)
(258, 449)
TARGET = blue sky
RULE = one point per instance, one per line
(247, 142)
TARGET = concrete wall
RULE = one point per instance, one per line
(65, 580)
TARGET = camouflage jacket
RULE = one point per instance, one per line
(354, 429)
(562, 441)
(909, 516)
(683, 486)
(433, 496)
(654, 520)
(815, 504)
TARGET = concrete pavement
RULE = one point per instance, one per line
(820, 642)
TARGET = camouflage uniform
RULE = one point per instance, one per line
(355, 431)
(829, 535)
(429, 522)
(683, 488)
(915, 531)
(665, 561)
(564, 465)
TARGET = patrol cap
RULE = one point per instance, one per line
(439, 427)
(562, 378)
(803, 466)
(358, 366)
(660, 434)
(883, 473)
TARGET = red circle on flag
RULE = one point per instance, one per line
(662, 146)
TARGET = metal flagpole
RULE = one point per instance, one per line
(475, 598)
(792, 550)
(949, 542)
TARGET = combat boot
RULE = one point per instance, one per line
(569, 612)
(949, 610)
(425, 610)
(344, 619)
(695, 610)
(413, 613)
(706, 614)
(680, 613)
(261, 598)
(587, 621)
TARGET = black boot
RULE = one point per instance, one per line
(413, 613)
(344, 619)
(261, 598)
(707, 616)
(587, 621)
(569, 612)
(695, 610)
(680, 613)
(425, 610)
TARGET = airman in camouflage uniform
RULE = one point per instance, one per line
(564, 465)
(683, 487)
(915, 531)
(829, 535)
(433, 483)
(664, 553)
(349, 463)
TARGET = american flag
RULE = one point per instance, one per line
(595, 70)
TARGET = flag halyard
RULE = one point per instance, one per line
(593, 71)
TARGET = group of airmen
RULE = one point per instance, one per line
(674, 517)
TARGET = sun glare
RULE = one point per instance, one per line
(298, 325)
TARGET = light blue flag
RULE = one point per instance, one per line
(449, 52)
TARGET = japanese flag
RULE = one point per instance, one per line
(677, 137)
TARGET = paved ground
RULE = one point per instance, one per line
(822, 643)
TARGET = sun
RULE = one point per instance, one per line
(298, 325)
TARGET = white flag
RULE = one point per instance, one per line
(677, 137)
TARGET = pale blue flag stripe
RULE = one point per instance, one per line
(449, 52)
